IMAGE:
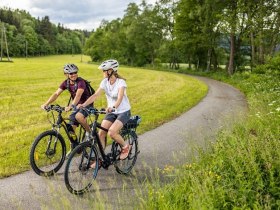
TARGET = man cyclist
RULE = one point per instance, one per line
(118, 110)
(79, 94)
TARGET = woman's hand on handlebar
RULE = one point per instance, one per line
(110, 109)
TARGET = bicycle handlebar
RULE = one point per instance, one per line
(91, 110)
(95, 111)
(55, 108)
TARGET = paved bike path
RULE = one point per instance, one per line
(170, 144)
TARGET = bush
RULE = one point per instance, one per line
(272, 65)
(242, 169)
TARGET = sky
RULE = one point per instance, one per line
(73, 14)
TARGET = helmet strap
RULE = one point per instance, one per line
(109, 76)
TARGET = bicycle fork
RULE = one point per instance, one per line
(50, 151)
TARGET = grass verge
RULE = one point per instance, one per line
(242, 169)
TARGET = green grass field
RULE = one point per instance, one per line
(241, 169)
(27, 83)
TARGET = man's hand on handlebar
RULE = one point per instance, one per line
(71, 107)
(44, 106)
(68, 108)
(79, 106)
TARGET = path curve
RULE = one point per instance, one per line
(222, 105)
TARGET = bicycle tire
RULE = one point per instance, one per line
(78, 175)
(126, 165)
(47, 153)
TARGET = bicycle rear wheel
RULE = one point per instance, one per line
(126, 165)
(80, 170)
(47, 153)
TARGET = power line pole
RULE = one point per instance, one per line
(4, 39)
(2, 43)
(82, 51)
(26, 51)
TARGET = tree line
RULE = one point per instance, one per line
(28, 36)
(206, 34)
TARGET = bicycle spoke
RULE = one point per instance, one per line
(78, 172)
(47, 153)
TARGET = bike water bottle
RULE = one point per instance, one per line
(71, 132)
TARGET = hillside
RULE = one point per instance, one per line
(29, 36)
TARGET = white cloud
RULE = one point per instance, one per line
(83, 14)
(23, 4)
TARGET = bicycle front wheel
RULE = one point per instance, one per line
(47, 153)
(126, 165)
(81, 168)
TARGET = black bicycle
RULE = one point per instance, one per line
(48, 151)
(86, 159)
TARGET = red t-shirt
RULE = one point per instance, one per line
(80, 84)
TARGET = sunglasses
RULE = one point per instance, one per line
(73, 73)
(107, 70)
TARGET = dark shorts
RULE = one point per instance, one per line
(123, 117)
(72, 117)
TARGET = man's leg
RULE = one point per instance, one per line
(83, 121)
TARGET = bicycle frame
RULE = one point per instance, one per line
(109, 158)
(61, 122)
(95, 134)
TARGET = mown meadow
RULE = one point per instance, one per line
(27, 83)
(241, 170)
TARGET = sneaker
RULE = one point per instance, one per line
(125, 152)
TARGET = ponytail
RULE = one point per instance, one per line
(119, 76)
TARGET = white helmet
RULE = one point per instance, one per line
(70, 68)
(109, 64)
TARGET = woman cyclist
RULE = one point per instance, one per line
(118, 108)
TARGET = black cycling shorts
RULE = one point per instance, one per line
(123, 117)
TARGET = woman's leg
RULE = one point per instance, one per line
(102, 134)
(114, 134)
